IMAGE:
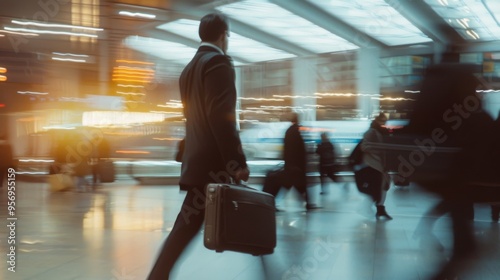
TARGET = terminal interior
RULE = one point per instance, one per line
(110, 68)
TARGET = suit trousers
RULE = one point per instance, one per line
(287, 178)
(186, 226)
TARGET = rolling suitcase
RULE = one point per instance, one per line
(239, 218)
(106, 171)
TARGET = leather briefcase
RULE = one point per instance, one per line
(239, 218)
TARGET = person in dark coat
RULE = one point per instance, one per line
(448, 113)
(212, 149)
(326, 154)
(294, 172)
(6, 159)
(376, 163)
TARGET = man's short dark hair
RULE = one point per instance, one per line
(212, 26)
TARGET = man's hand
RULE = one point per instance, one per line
(241, 174)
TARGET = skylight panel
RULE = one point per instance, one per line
(239, 46)
(171, 51)
(283, 24)
(375, 18)
(472, 19)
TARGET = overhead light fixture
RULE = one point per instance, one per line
(131, 93)
(70, 54)
(33, 92)
(69, 59)
(3, 70)
(50, 32)
(133, 86)
(140, 15)
(39, 24)
(18, 33)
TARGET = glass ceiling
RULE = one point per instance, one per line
(375, 18)
(472, 19)
(239, 46)
(171, 51)
(283, 24)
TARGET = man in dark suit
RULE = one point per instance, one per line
(212, 151)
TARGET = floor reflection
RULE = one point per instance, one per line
(116, 231)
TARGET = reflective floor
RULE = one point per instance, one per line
(116, 231)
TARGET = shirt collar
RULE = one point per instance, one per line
(213, 46)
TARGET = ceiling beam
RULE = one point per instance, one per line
(172, 37)
(329, 22)
(417, 49)
(268, 39)
(478, 47)
(429, 22)
(253, 33)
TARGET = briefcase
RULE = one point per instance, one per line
(239, 218)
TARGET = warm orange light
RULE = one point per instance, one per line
(129, 80)
(134, 62)
(2, 105)
(129, 74)
(132, 152)
(167, 139)
(133, 69)
(3, 78)
(3, 70)
(124, 71)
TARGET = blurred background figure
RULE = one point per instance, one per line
(376, 163)
(100, 154)
(449, 112)
(294, 173)
(78, 157)
(326, 154)
(6, 158)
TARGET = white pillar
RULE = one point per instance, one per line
(305, 85)
(368, 80)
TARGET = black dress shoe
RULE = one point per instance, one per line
(312, 206)
(381, 213)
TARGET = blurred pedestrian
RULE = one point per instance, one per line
(294, 172)
(212, 149)
(375, 162)
(326, 153)
(100, 154)
(81, 163)
(449, 112)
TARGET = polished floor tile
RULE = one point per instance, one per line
(116, 231)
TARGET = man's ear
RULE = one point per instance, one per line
(221, 37)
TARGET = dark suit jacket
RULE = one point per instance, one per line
(212, 151)
(294, 149)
